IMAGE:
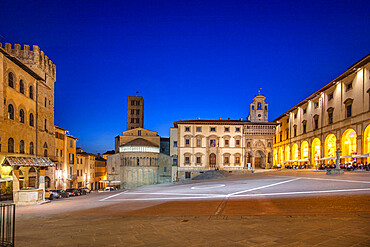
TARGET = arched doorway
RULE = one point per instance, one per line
(367, 142)
(330, 145)
(259, 159)
(47, 182)
(349, 146)
(316, 148)
(287, 153)
(32, 177)
(212, 160)
(304, 151)
(281, 155)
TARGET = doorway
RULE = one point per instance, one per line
(212, 160)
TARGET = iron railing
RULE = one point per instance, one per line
(7, 224)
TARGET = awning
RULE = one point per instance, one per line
(287, 161)
(328, 158)
(362, 156)
(110, 182)
(27, 161)
(346, 157)
(6, 179)
(302, 160)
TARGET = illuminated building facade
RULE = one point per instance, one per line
(335, 116)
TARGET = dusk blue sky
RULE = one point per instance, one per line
(188, 59)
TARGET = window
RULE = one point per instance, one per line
(348, 104)
(187, 142)
(330, 96)
(287, 120)
(304, 111)
(137, 112)
(21, 116)
(137, 161)
(61, 153)
(71, 159)
(71, 143)
(281, 135)
(316, 123)
(78, 173)
(132, 111)
(137, 102)
(174, 162)
(10, 145)
(198, 160)
(295, 130)
(31, 92)
(32, 151)
(11, 79)
(348, 86)
(213, 129)
(45, 153)
(199, 129)
(212, 143)
(187, 129)
(348, 111)
(57, 152)
(32, 120)
(21, 86)
(330, 117)
(45, 102)
(165, 169)
(237, 143)
(226, 143)
(45, 125)
(137, 120)
(132, 102)
(287, 134)
(10, 111)
(316, 104)
(45, 145)
(199, 142)
(295, 115)
(187, 160)
(175, 144)
(139, 132)
(132, 120)
(21, 147)
(227, 129)
(259, 115)
(187, 175)
(252, 107)
(237, 129)
(259, 106)
(304, 124)
(237, 160)
(226, 160)
(265, 108)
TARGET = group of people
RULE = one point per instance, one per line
(348, 166)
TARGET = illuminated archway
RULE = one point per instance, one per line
(316, 147)
(367, 142)
(349, 139)
(275, 156)
(330, 146)
(287, 153)
(281, 155)
(304, 150)
(295, 151)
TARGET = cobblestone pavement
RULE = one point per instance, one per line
(334, 219)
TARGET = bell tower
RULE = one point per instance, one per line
(258, 109)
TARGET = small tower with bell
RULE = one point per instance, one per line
(258, 109)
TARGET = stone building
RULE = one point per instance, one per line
(85, 169)
(135, 112)
(138, 160)
(27, 114)
(202, 144)
(335, 116)
(100, 172)
(65, 153)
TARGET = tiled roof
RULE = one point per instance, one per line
(27, 161)
(220, 122)
(139, 142)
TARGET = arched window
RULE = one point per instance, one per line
(21, 147)
(21, 86)
(32, 120)
(31, 92)
(21, 116)
(259, 106)
(45, 125)
(45, 153)
(10, 111)
(11, 79)
(11, 145)
(45, 145)
(32, 151)
(45, 103)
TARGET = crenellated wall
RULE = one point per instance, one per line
(35, 59)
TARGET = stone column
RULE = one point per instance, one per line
(359, 144)
(42, 181)
(15, 185)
